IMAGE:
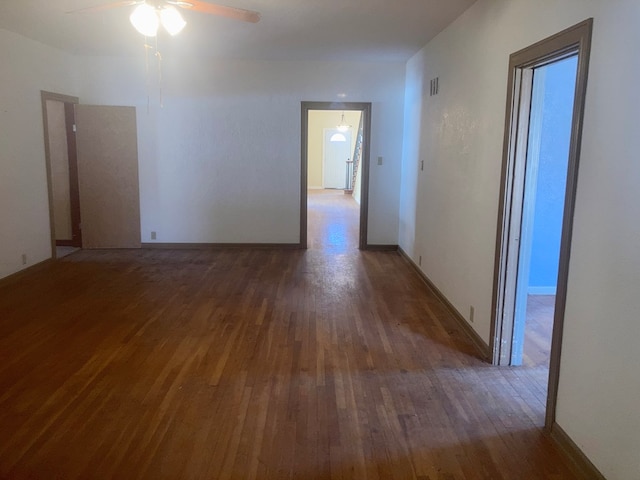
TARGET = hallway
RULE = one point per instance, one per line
(333, 221)
(250, 363)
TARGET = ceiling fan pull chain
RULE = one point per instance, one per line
(146, 65)
(159, 56)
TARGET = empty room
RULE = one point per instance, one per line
(298, 240)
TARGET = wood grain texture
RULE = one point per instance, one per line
(107, 145)
(538, 330)
(249, 363)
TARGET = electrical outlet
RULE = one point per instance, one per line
(471, 313)
(153, 235)
(24, 258)
(420, 261)
(379, 160)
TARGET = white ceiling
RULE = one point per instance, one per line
(369, 30)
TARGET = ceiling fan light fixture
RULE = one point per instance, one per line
(145, 20)
(171, 20)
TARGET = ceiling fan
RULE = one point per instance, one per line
(150, 14)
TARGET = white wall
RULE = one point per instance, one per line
(221, 161)
(449, 211)
(27, 68)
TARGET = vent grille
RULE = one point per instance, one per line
(435, 86)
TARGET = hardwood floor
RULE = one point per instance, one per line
(64, 251)
(538, 330)
(239, 364)
(333, 221)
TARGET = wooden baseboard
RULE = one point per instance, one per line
(581, 465)
(477, 341)
(24, 272)
(65, 243)
(381, 248)
(265, 246)
(218, 246)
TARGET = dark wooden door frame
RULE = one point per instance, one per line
(69, 114)
(573, 41)
(365, 108)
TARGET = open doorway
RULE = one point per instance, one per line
(62, 172)
(545, 105)
(92, 172)
(334, 181)
(552, 102)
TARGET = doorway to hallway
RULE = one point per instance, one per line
(91, 157)
(335, 172)
(62, 172)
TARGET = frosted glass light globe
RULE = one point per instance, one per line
(145, 20)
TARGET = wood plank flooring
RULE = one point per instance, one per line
(538, 330)
(333, 221)
(237, 364)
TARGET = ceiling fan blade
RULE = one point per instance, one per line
(220, 10)
(107, 6)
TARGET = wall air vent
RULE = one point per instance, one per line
(435, 86)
